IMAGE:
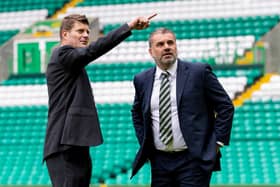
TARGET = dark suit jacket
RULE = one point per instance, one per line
(72, 116)
(205, 113)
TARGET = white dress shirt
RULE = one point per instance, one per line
(178, 142)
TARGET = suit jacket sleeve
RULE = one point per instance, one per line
(222, 105)
(73, 58)
(137, 112)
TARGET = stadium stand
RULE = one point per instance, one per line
(111, 83)
(217, 34)
(21, 19)
(212, 31)
(15, 7)
(15, 16)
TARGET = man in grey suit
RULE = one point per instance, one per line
(73, 123)
(182, 117)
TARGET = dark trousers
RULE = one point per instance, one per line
(177, 170)
(70, 168)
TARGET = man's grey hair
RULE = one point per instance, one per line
(160, 31)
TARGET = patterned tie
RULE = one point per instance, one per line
(165, 126)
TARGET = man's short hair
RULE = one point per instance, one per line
(68, 22)
(160, 31)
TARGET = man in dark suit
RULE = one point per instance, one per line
(73, 123)
(181, 115)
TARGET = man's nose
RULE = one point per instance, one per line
(85, 34)
(166, 47)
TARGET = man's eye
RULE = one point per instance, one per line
(170, 43)
(160, 44)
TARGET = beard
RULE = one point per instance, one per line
(167, 60)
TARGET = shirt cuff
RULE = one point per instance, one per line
(221, 144)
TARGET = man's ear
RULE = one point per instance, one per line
(150, 51)
(64, 34)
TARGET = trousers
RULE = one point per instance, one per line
(70, 168)
(177, 169)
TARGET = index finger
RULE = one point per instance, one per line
(151, 16)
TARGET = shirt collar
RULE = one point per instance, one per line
(171, 70)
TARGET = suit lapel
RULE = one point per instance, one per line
(149, 81)
(182, 75)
